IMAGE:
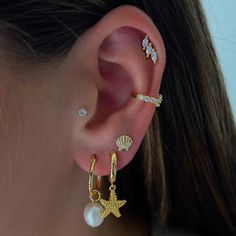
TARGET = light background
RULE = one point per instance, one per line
(221, 15)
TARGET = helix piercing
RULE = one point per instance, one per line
(149, 49)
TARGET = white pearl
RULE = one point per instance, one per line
(92, 214)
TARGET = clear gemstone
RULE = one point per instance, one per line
(140, 96)
(149, 50)
(145, 42)
(153, 100)
(154, 55)
(146, 99)
(83, 112)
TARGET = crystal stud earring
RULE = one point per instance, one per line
(83, 112)
(149, 49)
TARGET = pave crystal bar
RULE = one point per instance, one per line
(154, 100)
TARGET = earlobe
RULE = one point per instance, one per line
(128, 58)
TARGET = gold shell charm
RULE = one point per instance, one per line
(124, 142)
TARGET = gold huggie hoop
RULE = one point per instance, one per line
(113, 172)
(113, 204)
(148, 99)
(93, 210)
(94, 193)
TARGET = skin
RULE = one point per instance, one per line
(46, 148)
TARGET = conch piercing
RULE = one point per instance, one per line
(148, 99)
(149, 49)
(124, 142)
(113, 204)
(83, 112)
(93, 210)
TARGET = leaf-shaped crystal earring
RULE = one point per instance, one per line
(149, 49)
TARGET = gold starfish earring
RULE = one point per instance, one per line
(113, 204)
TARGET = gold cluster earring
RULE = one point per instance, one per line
(98, 209)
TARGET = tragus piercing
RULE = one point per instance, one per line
(83, 112)
(149, 49)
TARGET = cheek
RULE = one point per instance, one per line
(34, 137)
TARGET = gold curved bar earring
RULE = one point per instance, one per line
(148, 99)
(94, 188)
(93, 210)
(113, 204)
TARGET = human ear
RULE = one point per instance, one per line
(114, 67)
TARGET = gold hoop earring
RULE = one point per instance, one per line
(93, 210)
(113, 204)
(148, 99)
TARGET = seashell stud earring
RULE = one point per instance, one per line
(124, 142)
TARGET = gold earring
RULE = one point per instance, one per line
(93, 210)
(148, 99)
(113, 204)
(149, 49)
(124, 142)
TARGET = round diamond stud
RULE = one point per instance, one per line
(83, 112)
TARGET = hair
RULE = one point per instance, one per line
(184, 173)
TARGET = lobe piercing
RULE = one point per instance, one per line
(124, 142)
(94, 209)
(150, 51)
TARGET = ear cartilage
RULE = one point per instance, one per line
(124, 142)
(83, 112)
(149, 49)
(148, 99)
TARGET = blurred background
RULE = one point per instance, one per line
(221, 16)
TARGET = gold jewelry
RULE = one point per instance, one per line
(93, 210)
(112, 205)
(150, 51)
(124, 142)
(148, 99)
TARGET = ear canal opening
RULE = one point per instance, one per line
(114, 95)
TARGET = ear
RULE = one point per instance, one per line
(113, 66)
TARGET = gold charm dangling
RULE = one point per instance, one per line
(93, 210)
(113, 204)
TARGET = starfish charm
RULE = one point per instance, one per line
(112, 205)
